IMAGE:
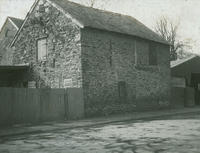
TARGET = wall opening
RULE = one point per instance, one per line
(152, 54)
(122, 88)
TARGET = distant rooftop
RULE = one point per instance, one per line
(181, 61)
(18, 22)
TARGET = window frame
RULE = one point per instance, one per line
(37, 53)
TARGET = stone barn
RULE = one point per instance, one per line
(121, 64)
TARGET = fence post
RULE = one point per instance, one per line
(189, 97)
(12, 104)
(66, 104)
(75, 103)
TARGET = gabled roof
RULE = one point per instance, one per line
(99, 19)
(105, 20)
(181, 61)
(18, 22)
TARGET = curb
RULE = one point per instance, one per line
(54, 129)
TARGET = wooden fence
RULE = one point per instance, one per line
(182, 97)
(177, 97)
(22, 105)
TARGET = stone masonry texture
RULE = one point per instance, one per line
(108, 58)
(64, 51)
(96, 60)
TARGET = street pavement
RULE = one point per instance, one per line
(169, 134)
(70, 124)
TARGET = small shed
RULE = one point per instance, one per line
(12, 75)
(189, 69)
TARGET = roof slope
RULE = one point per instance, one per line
(181, 61)
(105, 20)
(16, 21)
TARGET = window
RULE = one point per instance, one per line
(41, 8)
(122, 91)
(42, 49)
(152, 54)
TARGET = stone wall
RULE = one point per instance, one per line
(62, 68)
(112, 68)
(6, 36)
(109, 58)
(153, 82)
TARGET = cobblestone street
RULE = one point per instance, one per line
(180, 134)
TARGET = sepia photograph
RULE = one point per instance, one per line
(99, 76)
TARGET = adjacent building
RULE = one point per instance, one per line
(7, 33)
(187, 71)
(8, 74)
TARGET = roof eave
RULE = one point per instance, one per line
(162, 42)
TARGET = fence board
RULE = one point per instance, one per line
(5, 105)
(22, 105)
(33, 107)
(75, 103)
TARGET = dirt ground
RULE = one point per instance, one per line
(177, 134)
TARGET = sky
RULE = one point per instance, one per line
(184, 12)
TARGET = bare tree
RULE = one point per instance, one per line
(187, 49)
(91, 3)
(95, 3)
(168, 30)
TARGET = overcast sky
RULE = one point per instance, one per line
(186, 12)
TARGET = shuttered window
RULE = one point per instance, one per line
(42, 49)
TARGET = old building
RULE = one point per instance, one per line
(8, 74)
(188, 73)
(7, 33)
(120, 63)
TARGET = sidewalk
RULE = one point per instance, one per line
(56, 126)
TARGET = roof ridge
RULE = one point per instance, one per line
(117, 14)
(125, 24)
(101, 10)
(104, 11)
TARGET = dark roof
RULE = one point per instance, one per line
(105, 20)
(13, 67)
(16, 21)
(183, 61)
